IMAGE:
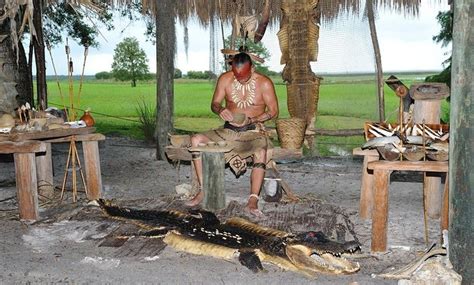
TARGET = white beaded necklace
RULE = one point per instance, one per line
(243, 94)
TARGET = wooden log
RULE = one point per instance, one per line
(366, 188)
(44, 168)
(92, 169)
(380, 212)
(428, 111)
(213, 166)
(26, 185)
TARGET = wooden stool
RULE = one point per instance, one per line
(366, 187)
(25, 174)
(382, 171)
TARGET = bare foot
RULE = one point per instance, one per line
(252, 207)
(196, 200)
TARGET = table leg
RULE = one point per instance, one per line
(432, 190)
(380, 212)
(92, 169)
(44, 167)
(366, 188)
(26, 185)
(445, 212)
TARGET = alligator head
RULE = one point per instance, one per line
(312, 252)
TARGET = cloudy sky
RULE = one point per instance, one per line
(406, 45)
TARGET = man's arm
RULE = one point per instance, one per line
(271, 103)
(217, 98)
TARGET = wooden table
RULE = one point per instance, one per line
(382, 170)
(33, 163)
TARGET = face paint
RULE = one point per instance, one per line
(242, 72)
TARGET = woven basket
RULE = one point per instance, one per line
(291, 132)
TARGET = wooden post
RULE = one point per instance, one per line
(44, 167)
(427, 111)
(92, 169)
(26, 185)
(380, 212)
(213, 166)
(445, 211)
(461, 149)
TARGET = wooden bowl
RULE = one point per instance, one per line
(439, 155)
(239, 118)
(413, 153)
(388, 152)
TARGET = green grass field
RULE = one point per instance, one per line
(345, 102)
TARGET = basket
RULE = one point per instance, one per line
(291, 132)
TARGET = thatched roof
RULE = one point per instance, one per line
(205, 10)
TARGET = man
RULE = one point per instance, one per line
(252, 94)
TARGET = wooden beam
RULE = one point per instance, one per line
(92, 169)
(426, 166)
(79, 138)
(380, 212)
(22, 147)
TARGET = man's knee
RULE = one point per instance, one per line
(260, 155)
(197, 139)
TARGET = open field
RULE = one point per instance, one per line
(346, 102)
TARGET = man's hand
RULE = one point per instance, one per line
(226, 115)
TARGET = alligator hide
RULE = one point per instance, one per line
(201, 232)
(298, 37)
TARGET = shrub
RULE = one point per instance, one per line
(147, 119)
(103, 75)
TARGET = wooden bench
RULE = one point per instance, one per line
(25, 174)
(214, 165)
(382, 171)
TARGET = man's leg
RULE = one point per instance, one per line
(197, 163)
(256, 181)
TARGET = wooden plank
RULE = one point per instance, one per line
(44, 172)
(51, 134)
(213, 166)
(429, 166)
(26, 185)
(92, 169)
(79, 138)
(22, 147)
(380, 213)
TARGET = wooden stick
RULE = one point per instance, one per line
(65, 173)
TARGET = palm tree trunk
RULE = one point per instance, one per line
(378, 60)
(165, 49)
(40, 60)
(9, 71)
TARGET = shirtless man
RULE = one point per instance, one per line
(244, 91)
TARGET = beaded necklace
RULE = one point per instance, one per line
(243, 94)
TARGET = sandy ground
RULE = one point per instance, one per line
(63, 250)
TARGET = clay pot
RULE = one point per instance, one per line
(87, 118)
